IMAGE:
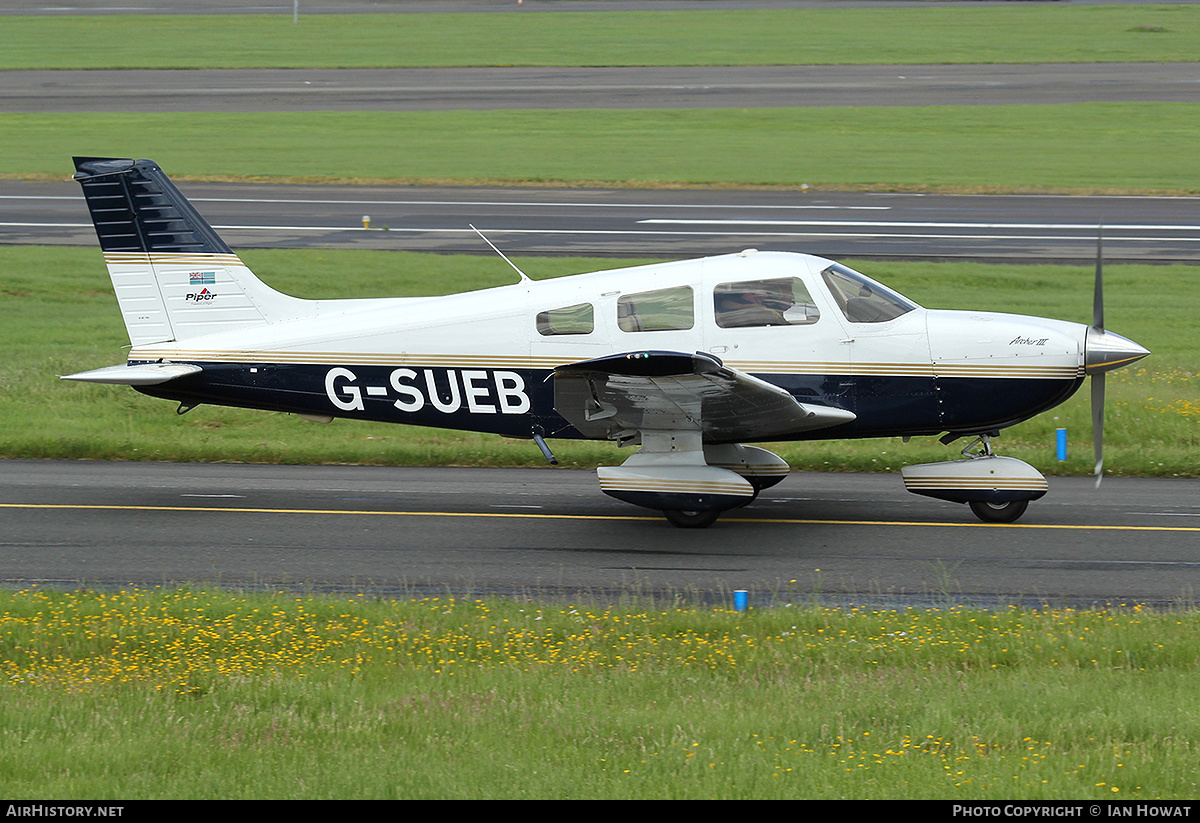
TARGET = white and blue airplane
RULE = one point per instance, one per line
(687, 361)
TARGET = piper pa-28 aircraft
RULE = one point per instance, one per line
(688, 361)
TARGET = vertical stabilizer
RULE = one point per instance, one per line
(174, 277)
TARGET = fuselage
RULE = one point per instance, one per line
(484, 360)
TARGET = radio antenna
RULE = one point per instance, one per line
(524, 277)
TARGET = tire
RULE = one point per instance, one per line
(999, 512)
(691, 520)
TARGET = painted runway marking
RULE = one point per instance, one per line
(914, 224)
(815, 233)
(785, 521)
(496, 203)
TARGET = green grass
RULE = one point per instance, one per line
(1020, 34)
(1094, 147)
(58, 316)
(199, 693)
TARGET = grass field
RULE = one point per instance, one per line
(58, 316)
(1093, 147)
(1032, 33)
(197, 693)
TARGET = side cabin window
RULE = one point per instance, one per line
(863, 300)
(577, 319)
(783, 301)
(659, 310)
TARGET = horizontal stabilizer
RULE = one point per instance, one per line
(147, 374)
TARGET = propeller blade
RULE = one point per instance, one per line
(1098, 378)
(1098, 298)
(1098, 424)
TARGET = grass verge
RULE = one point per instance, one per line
(1032, 33)
(1086, 147)
(198, 693)
(58, 316)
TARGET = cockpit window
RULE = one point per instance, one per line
(660, 310)
(863, 300)
(577, 319)
(783, 301)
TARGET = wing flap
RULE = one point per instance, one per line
(615, 396)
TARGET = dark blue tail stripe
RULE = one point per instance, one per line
(135, 208)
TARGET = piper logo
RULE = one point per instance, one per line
(200, 296)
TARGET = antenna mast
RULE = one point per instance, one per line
(524, 277)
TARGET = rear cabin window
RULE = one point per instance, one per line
(577, 319)
(660, 310)
(783, 301)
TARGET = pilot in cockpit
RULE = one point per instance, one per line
(760, 305)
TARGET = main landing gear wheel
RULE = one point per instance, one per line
(691, 520)
(999, 512)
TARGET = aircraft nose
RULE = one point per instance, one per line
(1106, 351)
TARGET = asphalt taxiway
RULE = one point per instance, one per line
(564, 87)
(659, 223)
(848, 537)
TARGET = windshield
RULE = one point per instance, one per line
(863, 300)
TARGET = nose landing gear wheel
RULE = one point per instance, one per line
(691, 520)
(999, 512)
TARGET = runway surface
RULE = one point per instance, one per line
(662, 224)
(715, 87)
(849, 538)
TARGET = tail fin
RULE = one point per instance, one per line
(174, 276)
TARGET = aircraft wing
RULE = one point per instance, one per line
(618, 395)
(145, 374)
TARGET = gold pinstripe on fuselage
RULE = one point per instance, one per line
(320, 358)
